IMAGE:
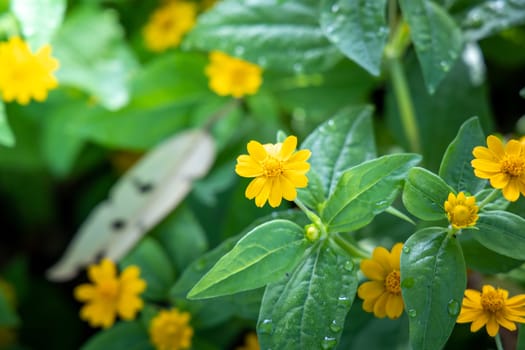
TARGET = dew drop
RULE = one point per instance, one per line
(453, 307)
(328, 343)
(331, 122)
(349, 265)
(445, 66)
(412, 313)
(406, 249)
(239, 50)
(407, 282)
(265, 326)
(335, 8)
(344, 300)
(334, 327)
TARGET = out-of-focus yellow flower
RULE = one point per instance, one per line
(110, 295)
(277, 171)
(168, 24)
(250, 342)
(382, 295)
(461, 211)
(170, 330)
(25, 75)
(232, 76)
(503, 165)
(492, 307)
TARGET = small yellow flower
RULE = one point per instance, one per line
(461, 211)
(382, 295)
(250, 342)
(492, 307)
(110, 295)
(503, 165)
(168, 24)
(170, 330)
(25, 75)
(278, 170)
(232, 76)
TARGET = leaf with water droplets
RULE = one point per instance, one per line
(436, 37)
(309, 307)
(358, 28)
(435, 263)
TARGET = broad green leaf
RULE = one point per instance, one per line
(358, 28)
(365, 191)
(480, 258)
(6, 135)
(490, 17)
(155, 268)
(314, 194)
(263, 256)
(455, 167)
(101, 67)
(501, 232)
(8, 316)
(148, 192)
(282, 37)
(307, 309)
(122, 336)
(342, 142)
(436, 37)
(425, 193)
(433, 280)
(39, 19)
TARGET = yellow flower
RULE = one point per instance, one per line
(110, 295)
(461, 211)
(503, 165)
(250, 342)
(278, 170)
(382, 295)
(170, 330)
(25, 75)
(493, 308)
(168, 24)
(232, 76)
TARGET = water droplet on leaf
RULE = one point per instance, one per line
(349, 265)
(445, 66)
(334, 327)
(406, 249)
(328, 343)
(335, 8)
(407, 282)
(344, 300)
(412, 313)
(453, 307)
(265, 326)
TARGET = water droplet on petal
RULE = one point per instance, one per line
(349, 265)
(407, 283)
(453, 307)
(335, 327)
(265, 326)
(412, 313)
(328, 343)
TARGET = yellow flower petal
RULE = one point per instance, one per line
(380, 306)
(394, 306)
(382, 256)
(257, 151)
(370, 290)
(495, 145)
(492, 326)
(373, 270)
(276, 193)
(288, 147)
(255, 187)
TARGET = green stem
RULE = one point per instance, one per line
(499, 345)
(350, 248)
(310, 214)
(489, 198)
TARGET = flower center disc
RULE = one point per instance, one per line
(492, 301)
(272, 167)
(512, 165)
(461, 215)
(393, 282)
(108, 289)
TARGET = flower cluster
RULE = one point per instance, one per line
(277, 171)
(382, 295)
(109, 294)
(232, 76)
(170, 330)
(168, 24)
(492, 308)
(462, 211)
(503, 165)
(26, 75)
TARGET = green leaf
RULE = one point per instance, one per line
(502, 232)
(122, 336)
(283, 37)
(365, 191)
(6, 135)
(155, 268)
(358, 28)
(436, 37)
(425, 193)
(455, 167)
(480, 258)
(39, 19)
(490, 17)
(433, 280)
(342, 142)
(307, 310)
(101, 67)
(263, 256)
